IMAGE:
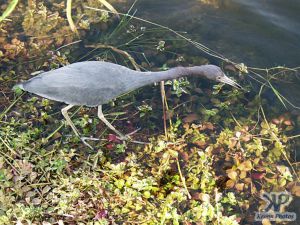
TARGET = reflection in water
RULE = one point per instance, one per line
(259, 33)
(271, 14)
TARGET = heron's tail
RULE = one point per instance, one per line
(19, 85)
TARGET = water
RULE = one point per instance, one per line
(258, 33)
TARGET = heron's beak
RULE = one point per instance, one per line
(227, 80)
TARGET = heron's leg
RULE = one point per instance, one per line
(103, 119)
(64, 112)
(121, 136)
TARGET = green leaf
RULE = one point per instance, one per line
(12, 5)
(120, 183)
(278, 95)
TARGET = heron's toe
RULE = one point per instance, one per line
(90, 138)
(124, 137)
(86, 144)
(128, 138)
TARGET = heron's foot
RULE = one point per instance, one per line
(86, 144)
(84, 138)
(126, 137)
(129, 139)
(139, 142)
(90, 138)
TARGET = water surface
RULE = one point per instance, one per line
(257, 32)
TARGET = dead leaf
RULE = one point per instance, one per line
(243, 174)
(230, 184)
(30, 194)
(239, 186)
(204, 197)
(33, 176)
(257, 176)
(296, 190)
(288, 123)
(232, 142)
(191, 118)
(245, 166)
(232, 174)
(36, 201)
(208, 126)
(46, 189)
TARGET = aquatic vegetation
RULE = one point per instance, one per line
(224, 172)
(222, 149)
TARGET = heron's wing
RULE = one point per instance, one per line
(86, 83)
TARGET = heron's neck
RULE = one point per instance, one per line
(174, 73)
(146, 78)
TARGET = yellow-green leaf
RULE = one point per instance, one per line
(10, 8)
(232, 174)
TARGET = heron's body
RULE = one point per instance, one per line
(94, 83)
(90, 83)
(77, 85)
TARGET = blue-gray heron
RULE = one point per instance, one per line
(94, 83)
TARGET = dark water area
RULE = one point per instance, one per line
(258, 33)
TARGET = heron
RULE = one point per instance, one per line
(94, 83)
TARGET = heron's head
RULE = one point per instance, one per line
(215, 73)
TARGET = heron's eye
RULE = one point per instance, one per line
(219, 78)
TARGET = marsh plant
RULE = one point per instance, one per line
(220, 150)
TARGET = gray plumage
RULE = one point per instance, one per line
(94, 83)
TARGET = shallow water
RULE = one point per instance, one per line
(258, 33)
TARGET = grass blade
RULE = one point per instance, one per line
(277, 94)
(12, 5)
(69, 16)
(109, 7)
